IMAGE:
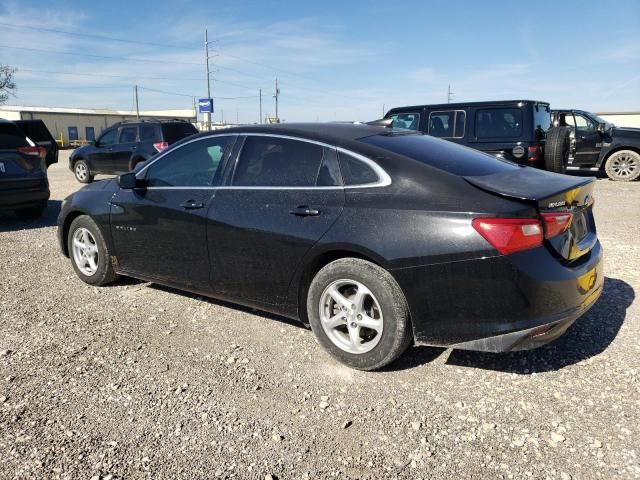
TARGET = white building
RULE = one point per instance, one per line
(82, 124)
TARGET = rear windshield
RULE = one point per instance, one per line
(441, 154)
(541, 117)
(173, 132)
(36, 130)
(11, 137)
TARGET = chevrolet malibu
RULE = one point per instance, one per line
(375, 237)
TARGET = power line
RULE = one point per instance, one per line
(88, 35)
(110, 57)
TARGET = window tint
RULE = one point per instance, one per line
(172, 132)
(499, 123)
(192, 165)
(11, 137)
(406, 120)
(447, 156)
(356, 172)
(108, 138)
(149, 133)
(278, 162)
(329, 174)
(461, 120)
(447, 124)
(36, 130)
(128, 134)
(541, 117)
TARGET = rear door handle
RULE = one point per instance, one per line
(192, 205)
(304, 211)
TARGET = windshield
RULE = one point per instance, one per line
(599, 119)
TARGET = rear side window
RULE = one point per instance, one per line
(447, 156)
(149, 133)
(278, 162)
(11, 137)
(447, 124)
(409, 121)
(499, 123)
(355, 171)
(128, 135)
(172, 132)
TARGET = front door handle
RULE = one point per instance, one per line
(304, 211)
(192, 205)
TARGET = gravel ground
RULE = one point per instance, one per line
(140, 381)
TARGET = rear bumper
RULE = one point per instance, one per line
(501, 303)
(12, 199)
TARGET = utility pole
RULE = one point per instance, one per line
(260, 100)
(449, 94)
(207, 116)
(276, 97)
(195, 111)
(137, 108)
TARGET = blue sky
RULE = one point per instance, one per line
(335, 60)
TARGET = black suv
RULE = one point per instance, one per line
(123, 145)
(518, 130)
(24, 187)
(597, 145)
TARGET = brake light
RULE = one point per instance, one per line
(159, 146)
(509, 235)
(34, 151)
(556, 223)
(534, 153)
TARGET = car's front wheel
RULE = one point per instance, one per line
(89, 252)
(623, 166)
(82, 172)
(359, 314)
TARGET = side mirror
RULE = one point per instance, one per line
(128, 181)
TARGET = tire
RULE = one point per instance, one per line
(103, 272)
(556, 150)
(82, 172)
(31, 212)
(384, 306)
(623, 166)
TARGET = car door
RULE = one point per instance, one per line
(587, 141)
(283, 195)
(159, 229)
(126, 146)
(99, 155)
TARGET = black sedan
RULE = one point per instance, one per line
(376, 237)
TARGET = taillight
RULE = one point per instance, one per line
(509, 235)
(533, 153)
(556, 223)
(35, 151)
(160, 146)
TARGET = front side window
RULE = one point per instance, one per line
(410, 121)
(128, 134)
(584, 124)
(108, 138)
(499, 123)
(278, 162)
(447, 124)
(195, 164)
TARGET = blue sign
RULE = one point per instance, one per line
(205, 105)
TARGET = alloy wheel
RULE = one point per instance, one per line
(624, 165)
(351, 316)
(81, 171)
(85, 251)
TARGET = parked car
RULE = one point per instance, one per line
(122, 146)
(600, 145)
(38, 132)
(376, 237)
(24, 187)
(518, 130)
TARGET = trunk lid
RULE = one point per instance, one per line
(550, 192)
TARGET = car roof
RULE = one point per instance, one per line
(450, 106)
(323, 132)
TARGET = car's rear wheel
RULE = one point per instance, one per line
(359, 314)
(556, 149)
(82, 172)
(623, 166)
(89, 252)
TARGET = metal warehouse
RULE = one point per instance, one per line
(79, 125)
